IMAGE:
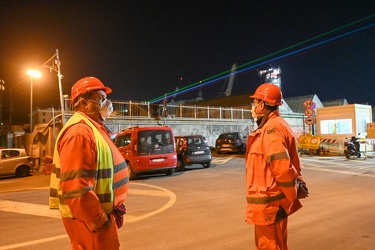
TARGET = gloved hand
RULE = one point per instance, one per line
(118, 213)
(303, 191)
(105, 225)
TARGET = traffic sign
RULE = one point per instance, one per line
(309, 112)
(308, 103)
(310, 120)
(309, 142)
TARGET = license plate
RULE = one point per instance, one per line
(226, 145)
(198, 152)
(158, 160)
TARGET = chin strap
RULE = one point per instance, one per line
(261, 121)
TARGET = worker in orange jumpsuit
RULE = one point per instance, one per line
(273, 171)
(89, 180)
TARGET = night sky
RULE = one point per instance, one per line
(141, 49)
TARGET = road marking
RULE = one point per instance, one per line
(29, 208)
(33, 242)
(221, 160)
(24, 189)
(43, 210)
(320, 168)
(331, 162)
(163, 192)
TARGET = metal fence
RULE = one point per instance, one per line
(146, 110)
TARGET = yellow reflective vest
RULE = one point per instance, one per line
(103, 185)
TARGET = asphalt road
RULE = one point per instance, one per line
(204, 209)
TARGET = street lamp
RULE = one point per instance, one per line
(33, 74)
(2, 88)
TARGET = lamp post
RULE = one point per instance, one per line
(33, 74)
(2, 88)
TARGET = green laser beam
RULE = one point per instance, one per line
(264, 57)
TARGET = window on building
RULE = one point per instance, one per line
(336, 126)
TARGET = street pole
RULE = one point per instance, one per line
(59, 75)
(33, 74)
(2, 88)
(31, 104)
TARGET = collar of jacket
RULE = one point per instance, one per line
(266, 117)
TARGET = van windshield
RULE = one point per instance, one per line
(155, 142)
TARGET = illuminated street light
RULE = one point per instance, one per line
(33, 74)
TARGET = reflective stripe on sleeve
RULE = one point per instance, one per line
(121, 182)
(76, 193)
(264, 200)
(120, 167)
(277, 156)
(287, 184)
(81, 173)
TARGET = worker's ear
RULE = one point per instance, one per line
(83, 102)
(262, 105)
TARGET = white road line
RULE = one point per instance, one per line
(33, 242)
(172, 200)
(148, 192)
(319, 168)
(221, 160)
(358, 164)
(28, 208)
(43, 210)
(333, 161)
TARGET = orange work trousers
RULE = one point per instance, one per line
(272, 237)
(82, 238)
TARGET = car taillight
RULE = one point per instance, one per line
(184, 144)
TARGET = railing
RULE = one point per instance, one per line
(146, 110)
(139, 110)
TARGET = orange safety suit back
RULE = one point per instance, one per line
(272, 168)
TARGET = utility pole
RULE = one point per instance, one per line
(60, 76)
(2, 89)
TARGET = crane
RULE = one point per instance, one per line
(228, 91)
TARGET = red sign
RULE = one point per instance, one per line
(309, 112)
(310, 120)
(308, 103)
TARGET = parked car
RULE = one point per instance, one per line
(192, 149)
(15, 161)
(147, 149)
(231, 142)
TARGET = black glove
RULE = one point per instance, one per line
(303, 191)
(118, 213)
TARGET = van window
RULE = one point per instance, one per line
(123, 140)
(155, 142)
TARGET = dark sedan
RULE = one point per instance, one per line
(191, 150)
(233, 142)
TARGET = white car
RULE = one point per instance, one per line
(15, 161)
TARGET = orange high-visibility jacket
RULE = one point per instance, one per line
(272, 169)
(79, 179)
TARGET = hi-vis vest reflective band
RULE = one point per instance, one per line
(103, 186)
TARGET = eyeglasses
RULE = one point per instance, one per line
(253, 105)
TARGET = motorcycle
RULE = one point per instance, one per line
(351, 148)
